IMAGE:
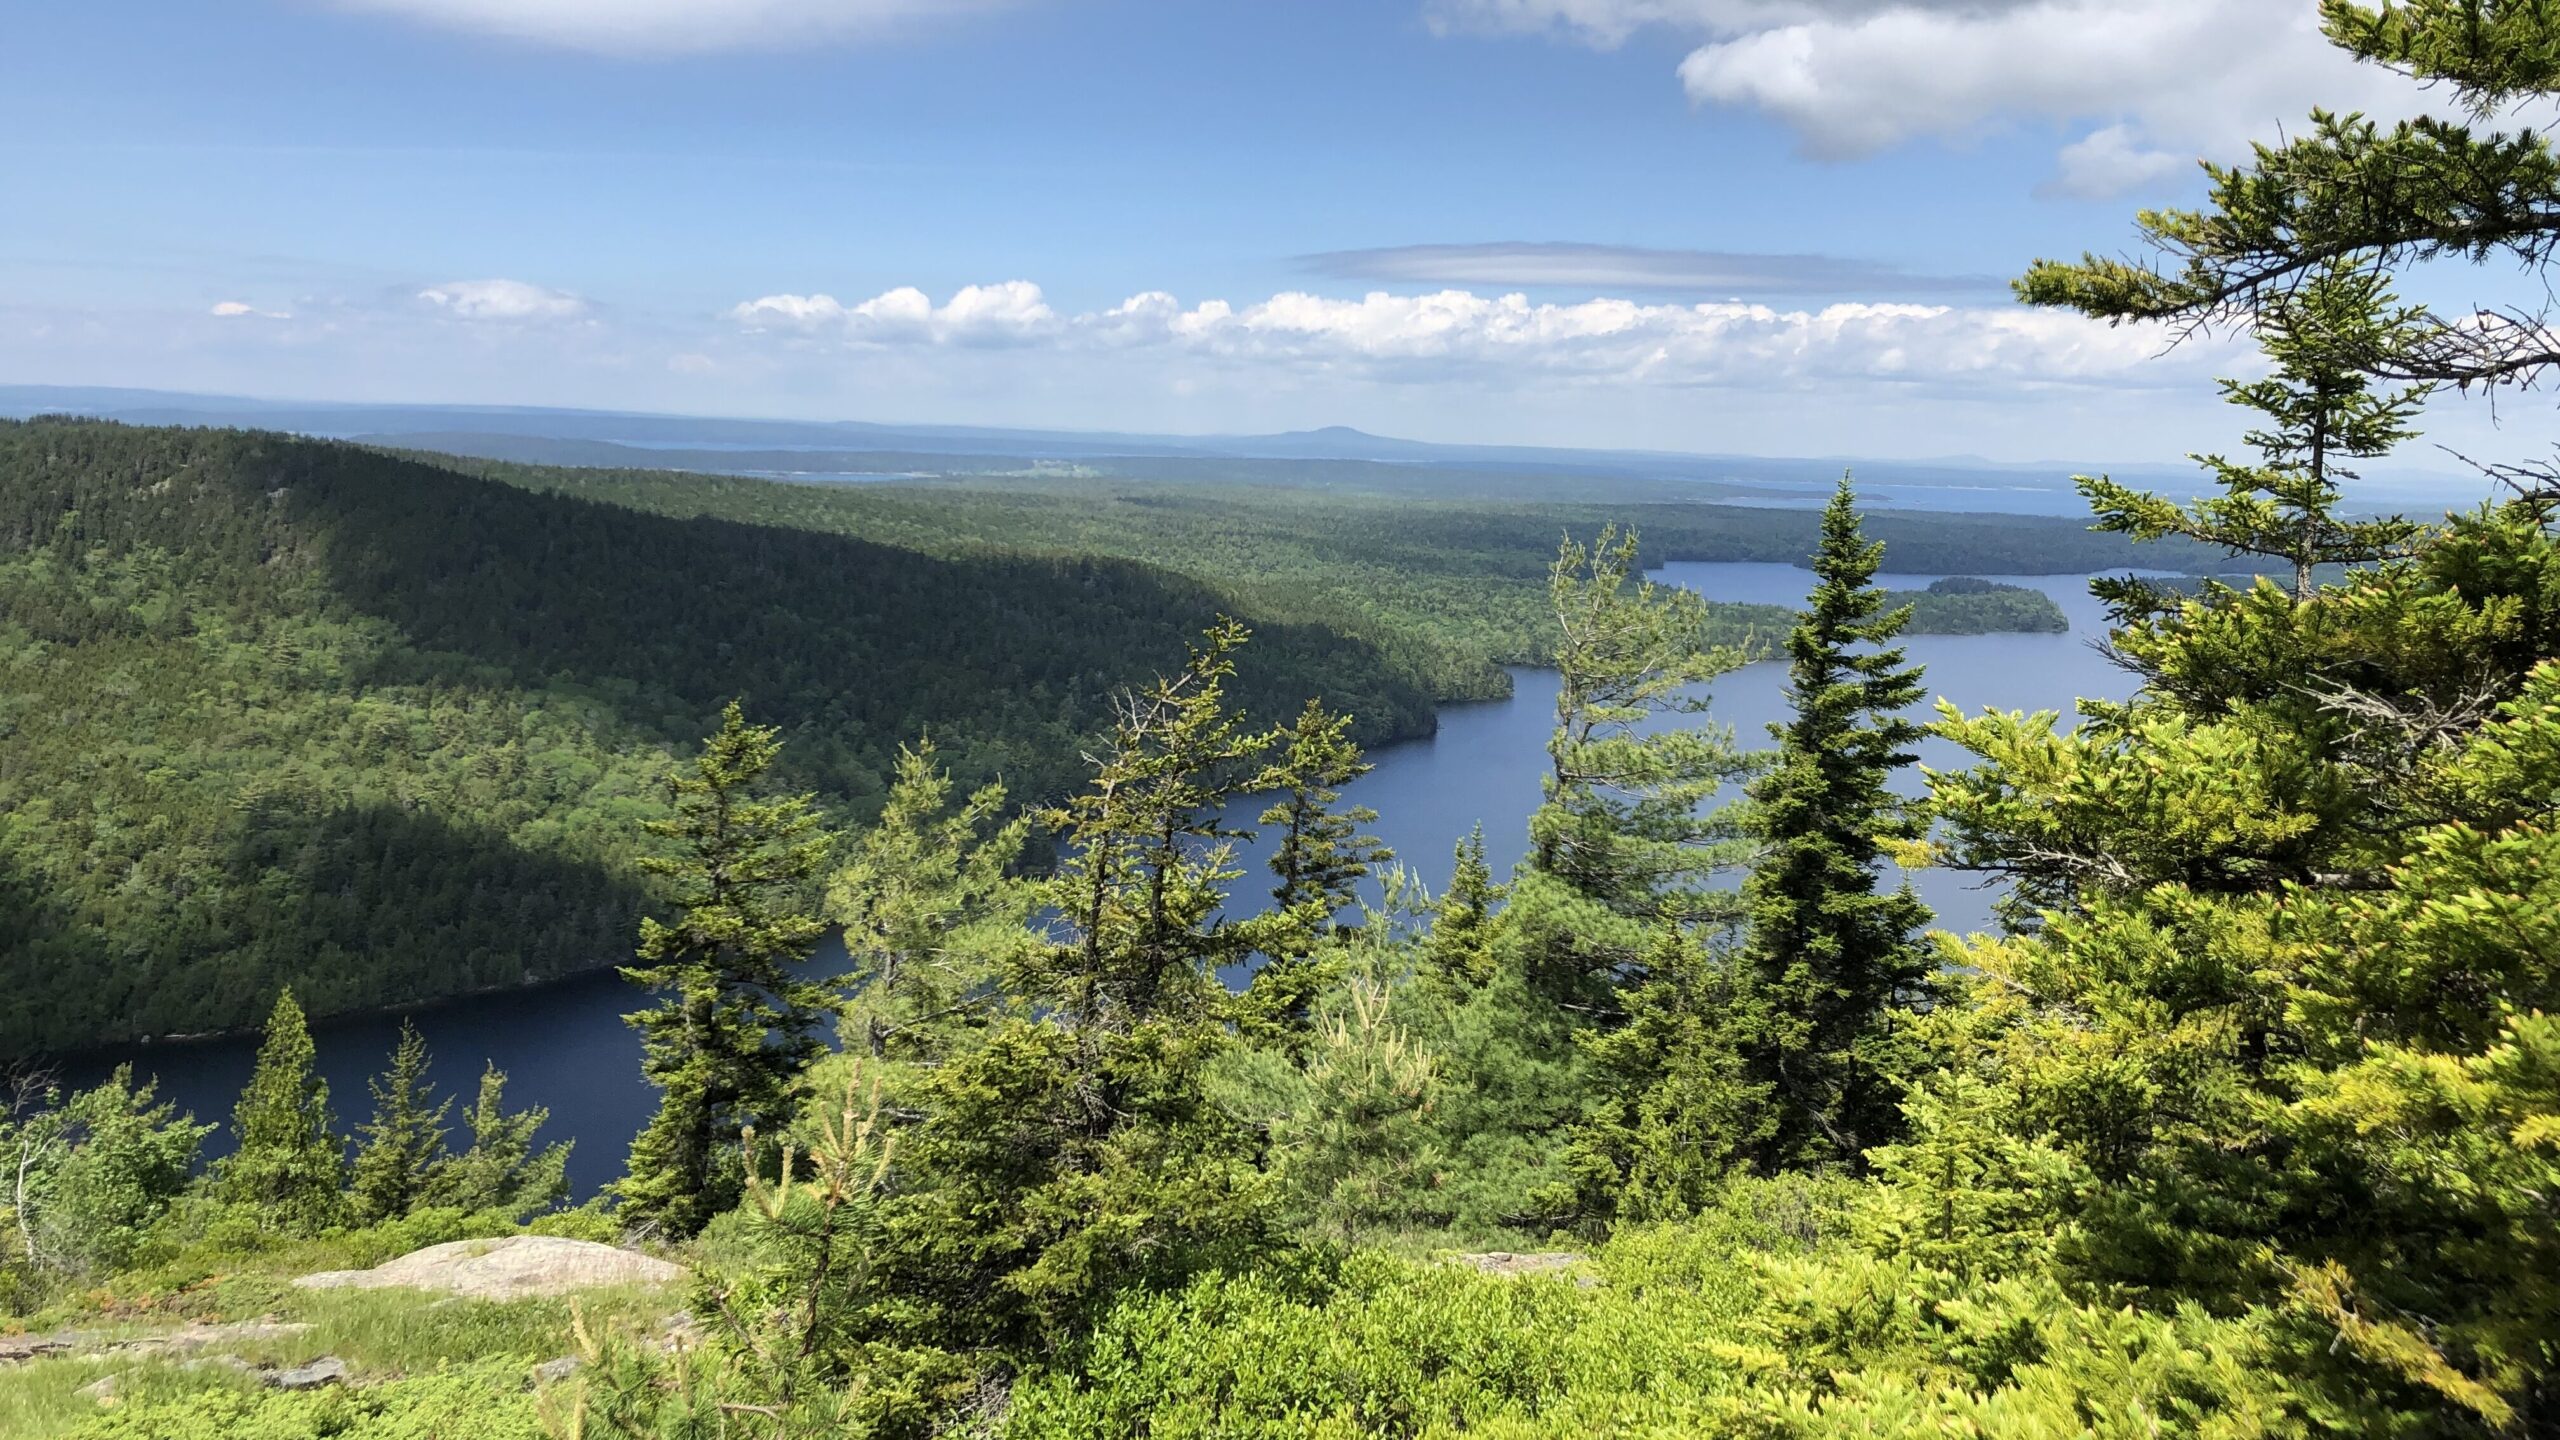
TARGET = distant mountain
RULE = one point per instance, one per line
(565, 436)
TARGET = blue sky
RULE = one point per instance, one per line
(1774, 226)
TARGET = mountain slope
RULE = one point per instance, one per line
(279, 711)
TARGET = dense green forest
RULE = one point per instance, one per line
(275, 711)
(1448, 589)
(279, 711)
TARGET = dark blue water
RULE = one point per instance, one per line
(565, 1046)
(1486, 762)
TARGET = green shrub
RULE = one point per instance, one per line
(591, 1221)
(486, 1401)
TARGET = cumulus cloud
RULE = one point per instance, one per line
(502, 300)
(1459, 334)
(667, 27)
(2151, 86)
(1009, 313)
(241, 309)
(1623, 267)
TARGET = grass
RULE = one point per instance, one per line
(42, 1399)
(383, 1335)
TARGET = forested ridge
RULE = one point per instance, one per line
(1448, 589)
(288, 711)
(282, 711)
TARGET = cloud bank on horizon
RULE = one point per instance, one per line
(1457, 334)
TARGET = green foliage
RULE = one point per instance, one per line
(2493, 51)
(1624, 840)
(1445, 589)
(931, 911)
(289, 1161)
(502, 1172)
(792, 1348)
(1962, 605)
(89, 1180)
(2292, 922)
(1076, 1150)
(285, 713)
(1836, 964)
(1459, 947)
(1512, 1080)
(1353, 1103)
(489, 1400)
(1676, 1108)
(1322, 857)
(1320, 861)
(2321, 410)
(735, 1022)
(402, 1146)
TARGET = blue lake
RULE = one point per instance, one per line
(564, 1046)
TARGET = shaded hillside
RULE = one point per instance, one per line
(1445, 589)
(284, 711)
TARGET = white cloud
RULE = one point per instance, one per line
(240, 309)
(502, 300)
(2156, 84)
(1010, 313)
(666, 27)
(2111, 162)
(1458, 334)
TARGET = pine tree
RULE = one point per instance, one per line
(290, 1162)
(502, 1171)
(736, 1020)
(1320, 860)
(930, 911)
(1676, 1110)
(403, 1144)
(1077, 1149)
(2270, 1033)
(1625, 839)
(1836, 962)
(1357, 1143)
(1322, 857)
(1459, 946)
(2321, 408)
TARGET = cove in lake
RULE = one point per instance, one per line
(564, 1046)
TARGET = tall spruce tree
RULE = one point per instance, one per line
(2276, 1041)
(1320, 859)
(290, 1162)
(403, 1144)
(1459, 945)
(1835, 960)
(736, 1018)
(2321, 408)
(1077, 1149)
(1625, 839)
(502, 1170)
(931, 910)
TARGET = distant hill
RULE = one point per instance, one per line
(1980, 483)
